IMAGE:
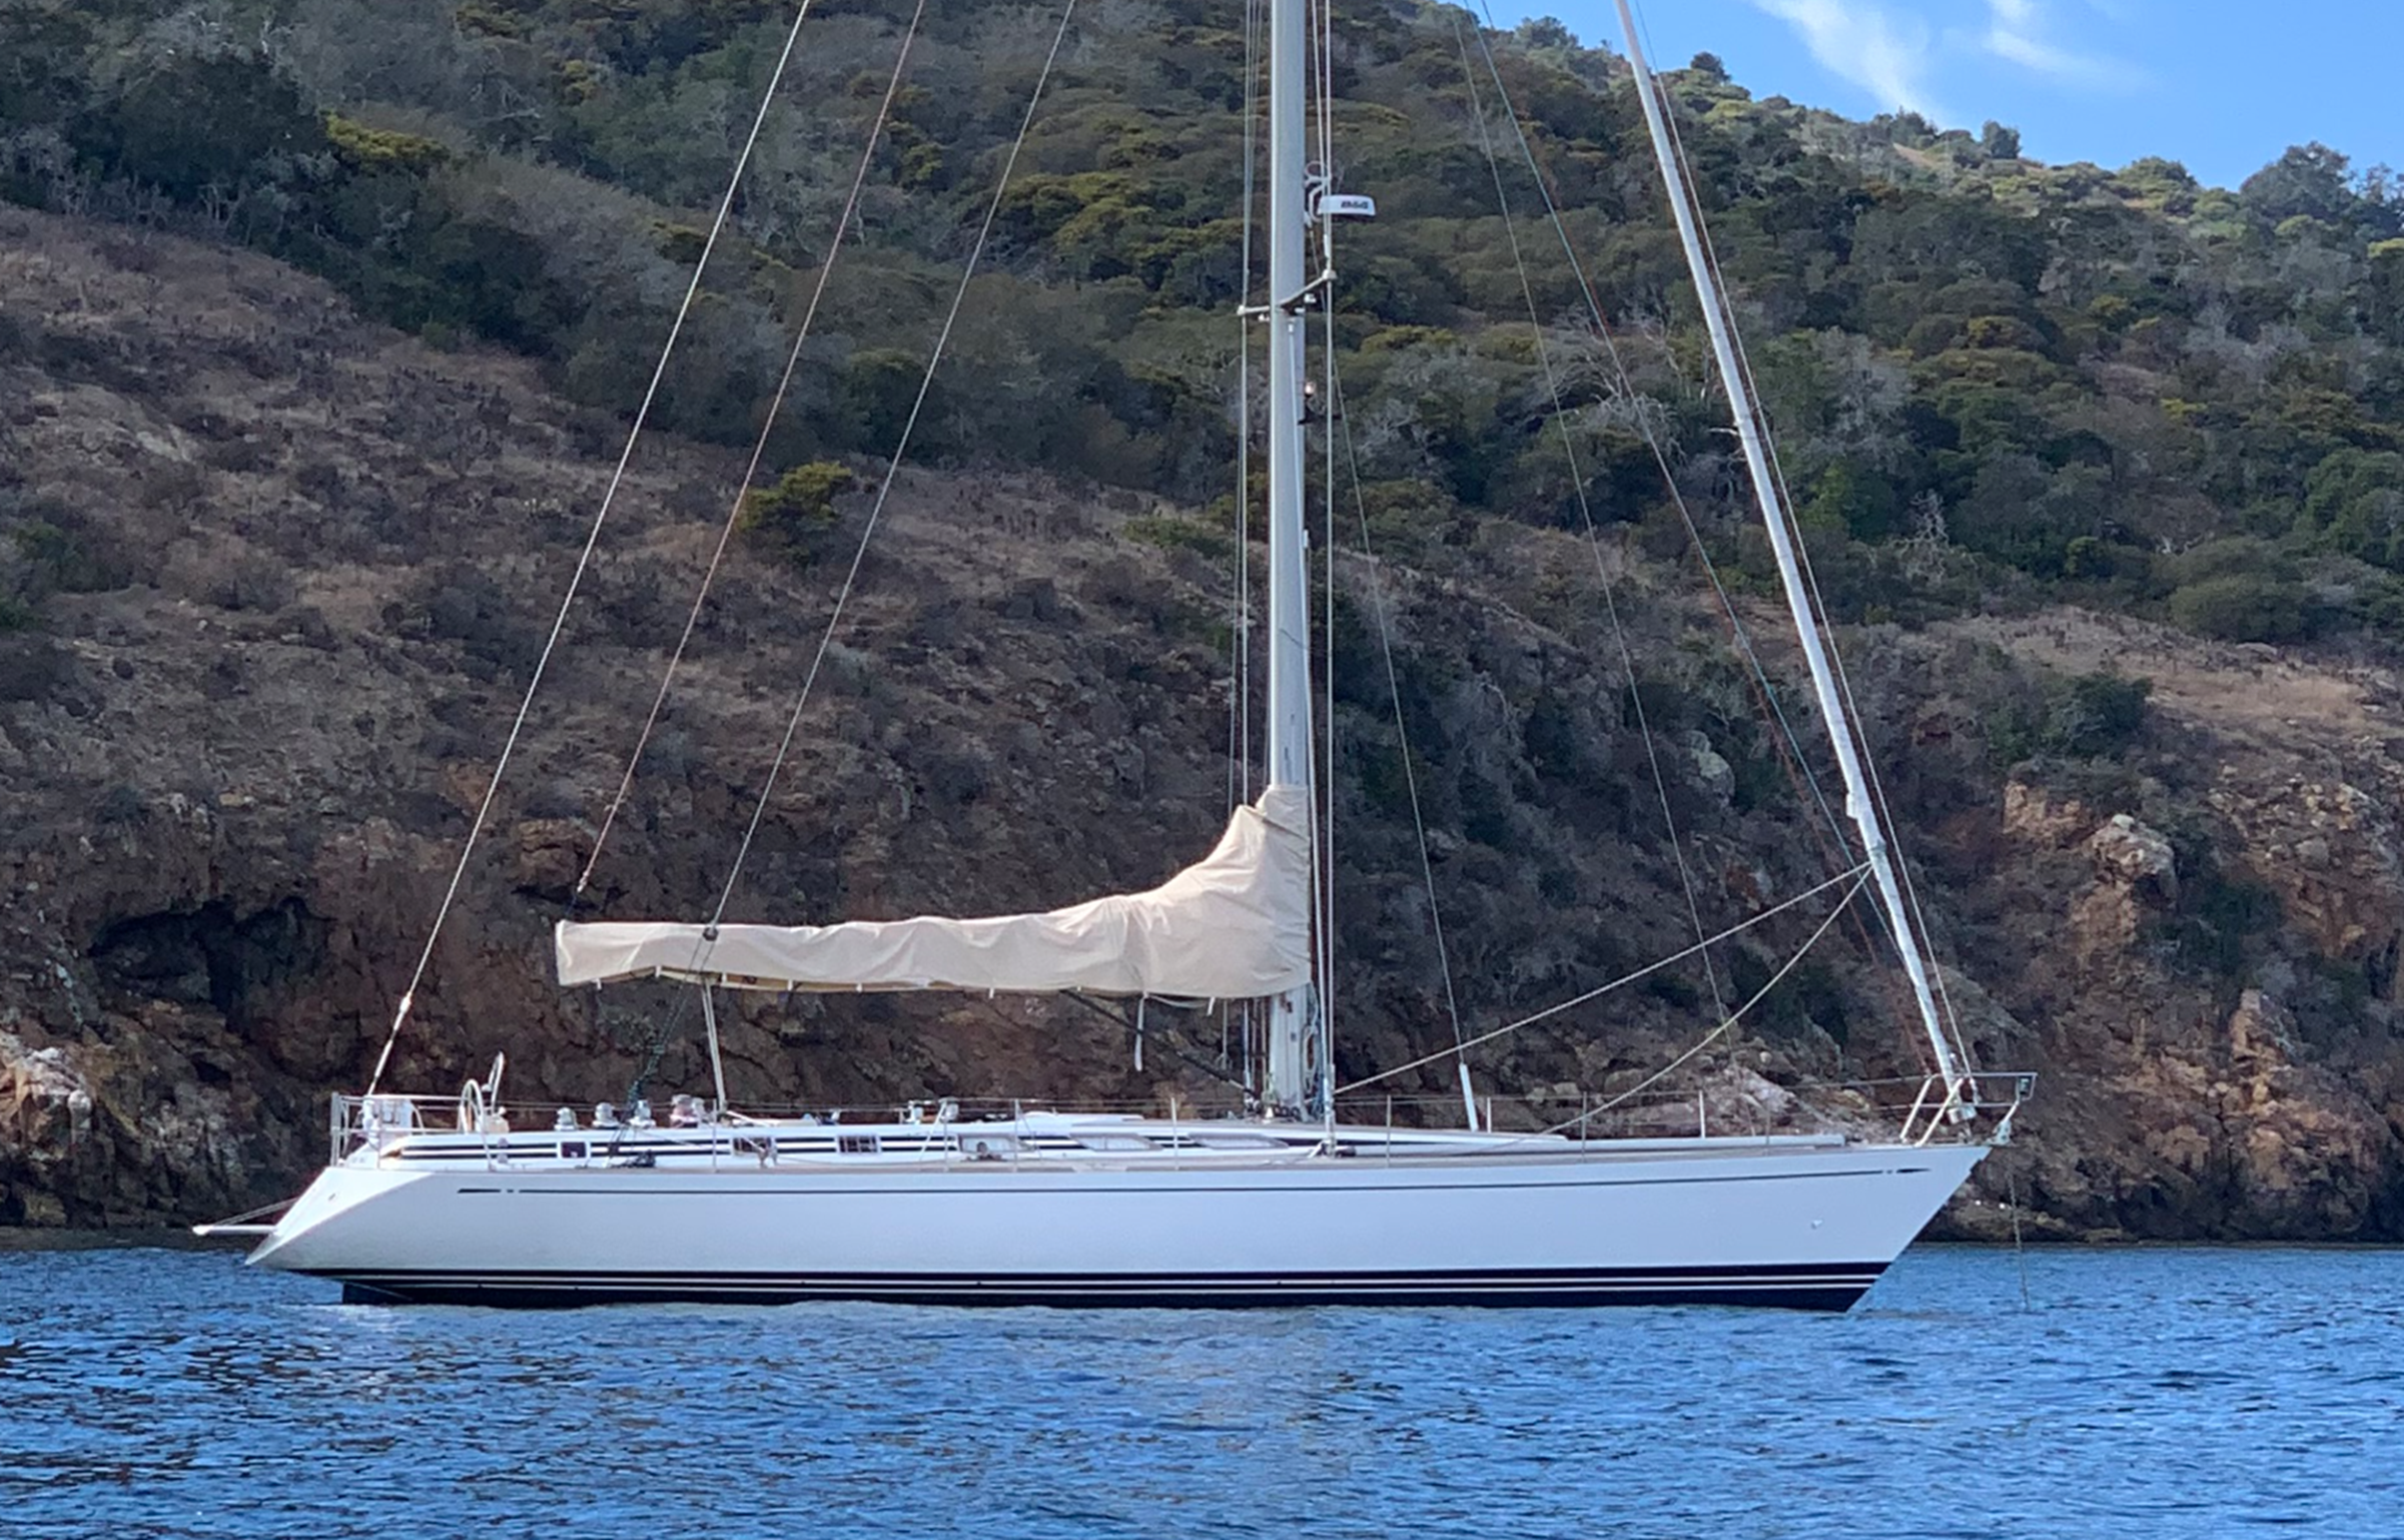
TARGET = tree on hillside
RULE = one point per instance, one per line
(2315, 182)
(192, 123)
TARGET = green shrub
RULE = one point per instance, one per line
(1170, 533)
(2219, 917)
(362, 148)
(679, 244)
(2099, 714)
(799, 508)
(875, 392)
(198, 121)
(2086, 717)
(62, 562)
(2245, 607)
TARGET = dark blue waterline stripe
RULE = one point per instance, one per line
(1803, 1286)
(1746, 1271)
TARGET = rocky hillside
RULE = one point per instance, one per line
(293, 569)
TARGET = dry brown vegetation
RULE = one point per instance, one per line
(296, 567)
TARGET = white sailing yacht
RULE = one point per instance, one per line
(443, 1199)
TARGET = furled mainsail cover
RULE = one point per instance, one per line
(1235, 925)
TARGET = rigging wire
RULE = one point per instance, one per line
(1852, 875)
(1860, 876)
(1877, 786)
(876, 510)
(1791, 743)
(1134, 1030)
(1692, 189)
(1792, 747)
(1665, 1070)
(1328, 416)
(1832, 828)
(1323, 82)
(1394, 684)
(1577, 482)
(1760, 412)
(1324, 38)
(1240, 770)
(1913, 935)
(592, 540)
(759, 447)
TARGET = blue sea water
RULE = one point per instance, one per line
(2146, 1393)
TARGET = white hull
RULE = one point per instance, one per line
(1802, 1223)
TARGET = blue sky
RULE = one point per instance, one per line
(2219, 85)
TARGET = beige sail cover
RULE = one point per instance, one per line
(1235, 925)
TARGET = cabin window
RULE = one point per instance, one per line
(1113, 1142)
(856, 1143)
(571, 1149)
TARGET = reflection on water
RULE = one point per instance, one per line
(2160, 1393)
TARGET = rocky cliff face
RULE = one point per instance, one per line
(2205, 947)
(288, 575)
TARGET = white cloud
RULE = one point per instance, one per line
(2014, 34)
(1907, 53)
(1863, 44)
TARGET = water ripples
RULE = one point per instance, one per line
(2162, 1393)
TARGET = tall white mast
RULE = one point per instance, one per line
(1290, 739)
(1857, 800)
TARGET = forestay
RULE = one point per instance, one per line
(1234, 925)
